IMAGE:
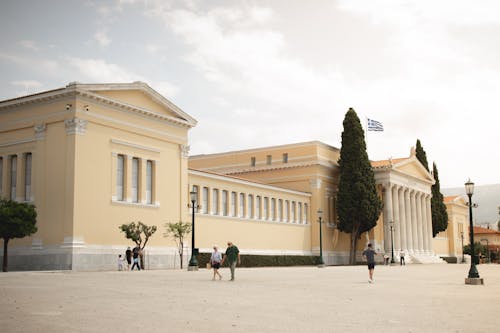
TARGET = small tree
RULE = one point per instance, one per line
(139, 233)
(17, 220)
(421, 155)
(178, 231)
(359, 205)
(438, 208)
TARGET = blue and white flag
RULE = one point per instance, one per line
(374, 125)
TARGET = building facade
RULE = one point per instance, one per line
(94, 156)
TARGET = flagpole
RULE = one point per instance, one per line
(366, 135)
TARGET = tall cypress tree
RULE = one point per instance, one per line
(421, 155)
(358, 203)
(438, 208)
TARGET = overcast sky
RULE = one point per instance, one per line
(262, 73)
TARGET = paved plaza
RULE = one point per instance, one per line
(413, 298)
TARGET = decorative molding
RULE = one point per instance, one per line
(13, 143)
(75, 126)
(315, 183)
(184, 150)
(134, 145)
(40, 131)
(73, 242)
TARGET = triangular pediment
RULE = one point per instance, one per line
(137, 95)
(412, 166)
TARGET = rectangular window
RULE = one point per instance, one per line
(224, 203)
(204, 205)
(269, 159)
(305, 214)
(285, 158)
(250, 206)
(149, 181)
(257, 206)
(233, 203)
(280, 210)
(135, 179)
(13, 177)
(287, 210)
(27, 177)
(294, 217)
(273, 209)
(120, 177)
(266, 208)
(215, 201)
(252, 161)
(300, 213)
(241, 212)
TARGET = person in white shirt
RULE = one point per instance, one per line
(215, 261)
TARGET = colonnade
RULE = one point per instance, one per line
(408, 212)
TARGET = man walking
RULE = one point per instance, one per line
(369, 253)
(232, 255)
(402, 258)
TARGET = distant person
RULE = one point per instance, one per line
(128, 256)
(135, 255)
(370, 253)
(120, 262)
(232, 256)
(386, 259)
(215, 261)
(401, 258)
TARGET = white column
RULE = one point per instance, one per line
(424, 224)
(414, 231)
(402, 219)
(387, 216)
(420, 222)
(409, 238)
(397, 221)
(429, 223)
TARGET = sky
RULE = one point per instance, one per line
(264, 73)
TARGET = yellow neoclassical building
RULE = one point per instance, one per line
(94, 156)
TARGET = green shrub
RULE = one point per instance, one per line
(250, 260)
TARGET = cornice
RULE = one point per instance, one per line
(77, 89)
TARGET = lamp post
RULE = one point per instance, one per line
(320, 218)
(193, 263)
(462, 236)
(487, 248)
(473, 277)
(391, 225)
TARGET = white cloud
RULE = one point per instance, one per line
(102, 38)
(27, 86)
(98, 70)
(165, 88)
(29, 44)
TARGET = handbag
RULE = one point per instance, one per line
(209, 266)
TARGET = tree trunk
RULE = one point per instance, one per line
(5, 255)
(354, 245)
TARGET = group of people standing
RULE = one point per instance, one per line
(131, 256)
(232, 256)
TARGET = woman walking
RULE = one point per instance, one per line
(215, 260)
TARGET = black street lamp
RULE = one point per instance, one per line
(391, 225)
(320, 217)
(473, 277)
(193, 263)
(462, 236)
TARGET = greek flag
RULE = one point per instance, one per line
(374, 125)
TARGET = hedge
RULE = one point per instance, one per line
(250, 260)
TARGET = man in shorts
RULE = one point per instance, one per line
(370, 253)
(232, 256)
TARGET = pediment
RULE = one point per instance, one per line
(137, 95)
(414, 168)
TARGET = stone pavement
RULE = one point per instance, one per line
(413, 298)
